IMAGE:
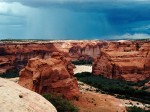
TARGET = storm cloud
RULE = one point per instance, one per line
(74, 19)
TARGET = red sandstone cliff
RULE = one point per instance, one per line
(129, 60)
(53, 75)
(16, 55)
(78, 50)
(86, 50)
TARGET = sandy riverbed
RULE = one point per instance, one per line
(82, 68)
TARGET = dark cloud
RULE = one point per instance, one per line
(102, 3)
(117, 11)
(91, 18)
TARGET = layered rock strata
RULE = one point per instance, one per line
(125, 60)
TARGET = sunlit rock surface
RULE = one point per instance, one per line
(127, 60)
(53, 75)
(14, 98)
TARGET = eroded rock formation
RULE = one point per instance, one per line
(127, 60)
(52, 75)
(86, 50)
(16, 55)
(14, 98)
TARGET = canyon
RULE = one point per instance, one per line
(127, 60)
(15, 55)
(46, 67)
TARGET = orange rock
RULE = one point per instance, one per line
(16, 55)
(86, 50)
(50, 76)
(124, 60)
(116, 59)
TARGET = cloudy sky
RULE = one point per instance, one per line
(74, 19)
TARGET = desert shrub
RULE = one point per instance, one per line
(82, 62)
(136, 109)
(145, 87)
(83, 74)
(61, 104)
(142, 83)
(2, 51)
(10, 74)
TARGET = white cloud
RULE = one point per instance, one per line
(14, 8)
(134, 36)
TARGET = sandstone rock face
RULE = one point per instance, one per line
(16, 55)
(53, 75)
(86, 50)
(128, 60)
(102, 66)
(14, 98)
(147, 84)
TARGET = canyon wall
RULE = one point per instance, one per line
(127, 60)
(86, 50)
(16, 55)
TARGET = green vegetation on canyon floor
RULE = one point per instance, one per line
(82, 62)
(61, 104)
(119, 88)
(10, 74)
(136, 109)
